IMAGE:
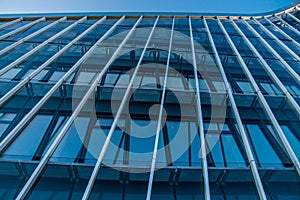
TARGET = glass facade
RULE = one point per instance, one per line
(150, 107)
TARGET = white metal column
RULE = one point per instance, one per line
(22, 28)
(293, 17)
(200, 119)
(250, 157)
(10, 23)
(268, 69)
(39, 47)
(158, 128)
(21, 84)
(10, 47)
(282, 32)
(264, 103)
(277, 40)
(288, 25)
(9, 138)
(287, 67)
(95, 172)
(60, 136)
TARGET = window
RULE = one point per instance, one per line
(30, 138)
(245, 87)
(224, 150)
(265, 153)
(5, 121)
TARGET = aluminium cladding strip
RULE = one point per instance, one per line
(282, 32)
(10, 47)
(68, 124)
(200, 119)
(277, 40)
(268, 69)
(96, 169)
(22, 28)
(10, 23)
(250, 157)
(262, 99)
(10, 137)
(40, 46)
(158, 128)
(287, 24)
(287, 67)
(21, 84)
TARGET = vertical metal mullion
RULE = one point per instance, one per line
(21, 28)
(287, 67)
(292, 16)
(16, 88)
(10, 47)
(277, 40)
(268, 69)
(291, 27)
(200, 119)
(34, 176)
(158, 128)
(96, 169)
(36, 108)
(10, 23)
(40, 46)
(282, 32)
(265, 105)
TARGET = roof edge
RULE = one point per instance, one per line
(290, 7)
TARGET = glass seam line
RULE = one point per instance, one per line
(200, 119)
(282, 32)
(36, 108)
(287, 67)
(291, 28)
(153, 161)
(40, 46)
(96, 169)
(10, 23)
(267, 68)
(62, 133)
(279, 42)
(250, 157)
(264, 102)
(21, 41)
(45, 64)
(22, 28)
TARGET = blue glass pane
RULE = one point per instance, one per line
(264, 151)
(29, 138)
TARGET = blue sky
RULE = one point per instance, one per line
(201, 6)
